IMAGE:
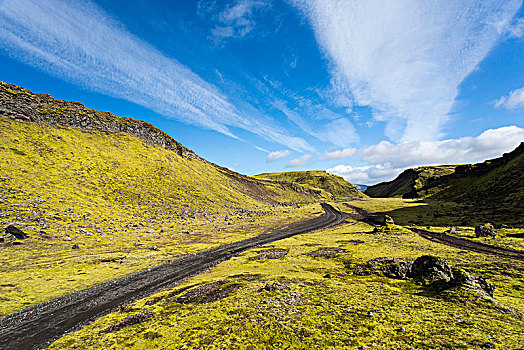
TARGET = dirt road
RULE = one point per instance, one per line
(37, 326)
(377, 218)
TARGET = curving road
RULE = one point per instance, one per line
(39, 325)
(442, 238)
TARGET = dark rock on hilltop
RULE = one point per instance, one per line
(390, 267)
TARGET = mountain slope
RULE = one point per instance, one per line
(122, 192)
(493, 189)
(335, 186)
(409, 182)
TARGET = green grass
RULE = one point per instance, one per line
(127, 204)
(327, 307)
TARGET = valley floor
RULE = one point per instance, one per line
(302, 292)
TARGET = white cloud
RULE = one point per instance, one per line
(78, 42)
(338, 154)
(387, 160)
(301, 161)
(276, 155)
(513, 100)
(406, 59)
(237, 20)
(365, 175)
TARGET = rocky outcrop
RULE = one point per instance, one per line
(484, 231)
(23, 105)
(431, 272)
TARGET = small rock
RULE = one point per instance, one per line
(17, 243)
(16, 232)
(154, 248)
(370, 314)
(401, 329)
(489, 345)
(150, 231)
(452, 231)
(388, 220)
(67, 238)
(75, 246)
(484, 231)
(363, 347)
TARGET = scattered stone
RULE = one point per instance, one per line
(401, 329)
(388, 220)
(129, 321)
(67, 238)
(451, 231)
(484, 231)
(326, 252)
(17, 243)
(75, 246)
(150, 231)
(154, 248)
(270, 254)
(207, 293)
(15, 232)
(270, 287)
(370, 314)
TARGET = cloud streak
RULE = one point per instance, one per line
(78, 42)
(513, 100)
(405, 59)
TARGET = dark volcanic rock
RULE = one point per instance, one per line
(484, 231)
(390, 267)
(16, 232)
(431, 271)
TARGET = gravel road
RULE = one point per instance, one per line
(37, 326)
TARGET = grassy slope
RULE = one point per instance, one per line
(500, 191)
(129, 205)
(335, 186)
(410, 181)
(328, 306)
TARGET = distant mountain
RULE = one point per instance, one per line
(332, 186)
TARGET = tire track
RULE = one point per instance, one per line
(37, 326)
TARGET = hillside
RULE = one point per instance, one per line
(409, 182)
(332, 185)
(122, 192)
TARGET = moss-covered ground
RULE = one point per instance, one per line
(318, 303)
(127, 205)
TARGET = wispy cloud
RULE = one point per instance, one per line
(406, 58)
(338, 154)
(388, 160)
(301, 161)
(234, 21)
(276, 155)
(513, 100)
(78, 42)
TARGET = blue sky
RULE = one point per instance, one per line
(361, 89)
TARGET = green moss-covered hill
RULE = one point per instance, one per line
(409, 182)
(493, 189)
(333, 186)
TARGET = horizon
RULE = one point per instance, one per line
(424, 89)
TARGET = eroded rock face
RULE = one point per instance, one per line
(484, 231)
